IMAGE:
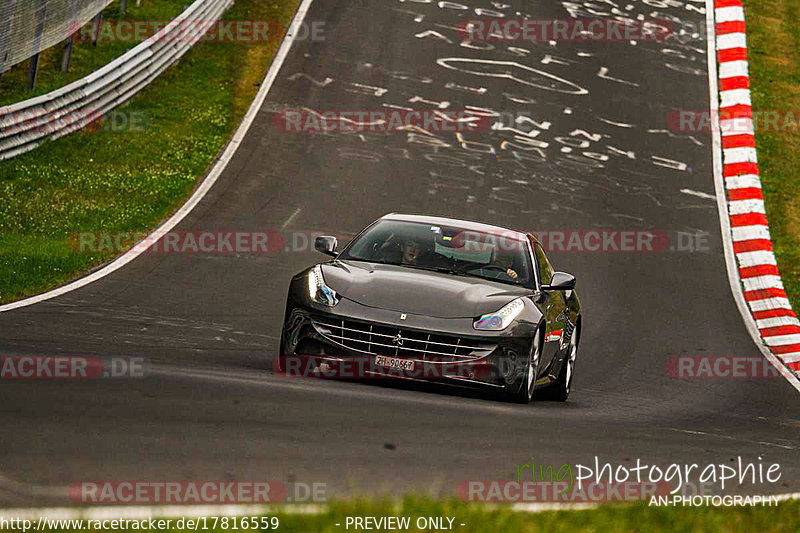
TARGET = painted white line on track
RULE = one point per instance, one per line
(291, 217)
(728, 437)
(699, 194)
(201, 191)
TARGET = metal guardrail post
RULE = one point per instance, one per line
(33, 72)
(65, 59)
(98, 20)
(67, 54)
(33, 69)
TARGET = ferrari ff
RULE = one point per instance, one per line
(429, 298)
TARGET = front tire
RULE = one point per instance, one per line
(528, 381)
(279, 363)
(560, 390)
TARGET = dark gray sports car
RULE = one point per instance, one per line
(428, 298)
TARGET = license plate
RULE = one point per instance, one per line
(393, 362)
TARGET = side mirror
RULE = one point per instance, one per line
(326, 245)
(561, 282)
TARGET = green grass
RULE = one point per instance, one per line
(773, 32)
(610, 518)
(101, 179)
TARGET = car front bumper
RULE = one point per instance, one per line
(351, 341)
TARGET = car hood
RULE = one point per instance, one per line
(415, 291)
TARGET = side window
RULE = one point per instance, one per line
(545, 268)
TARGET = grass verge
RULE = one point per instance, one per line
(773, 33)
(131, 172)
(479, 519)
(607, 518)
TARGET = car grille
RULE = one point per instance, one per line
(382, 339)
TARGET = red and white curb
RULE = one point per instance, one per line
(761, 296)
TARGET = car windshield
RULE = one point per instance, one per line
(498, 256)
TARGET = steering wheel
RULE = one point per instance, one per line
(491, 267)
(494, 267)
(486, 266)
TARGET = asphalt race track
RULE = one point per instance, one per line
(604, 158)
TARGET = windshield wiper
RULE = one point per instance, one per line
(454, 271)
(445, 270)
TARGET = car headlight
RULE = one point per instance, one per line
(318, 291)
(501, 319)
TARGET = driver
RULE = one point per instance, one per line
(410, 250)
(405, 251)
(506, 261)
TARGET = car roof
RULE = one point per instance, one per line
(465, 224)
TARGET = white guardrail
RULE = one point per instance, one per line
(25, 125)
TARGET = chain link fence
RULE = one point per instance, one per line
(28, 27)
(25, 125)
